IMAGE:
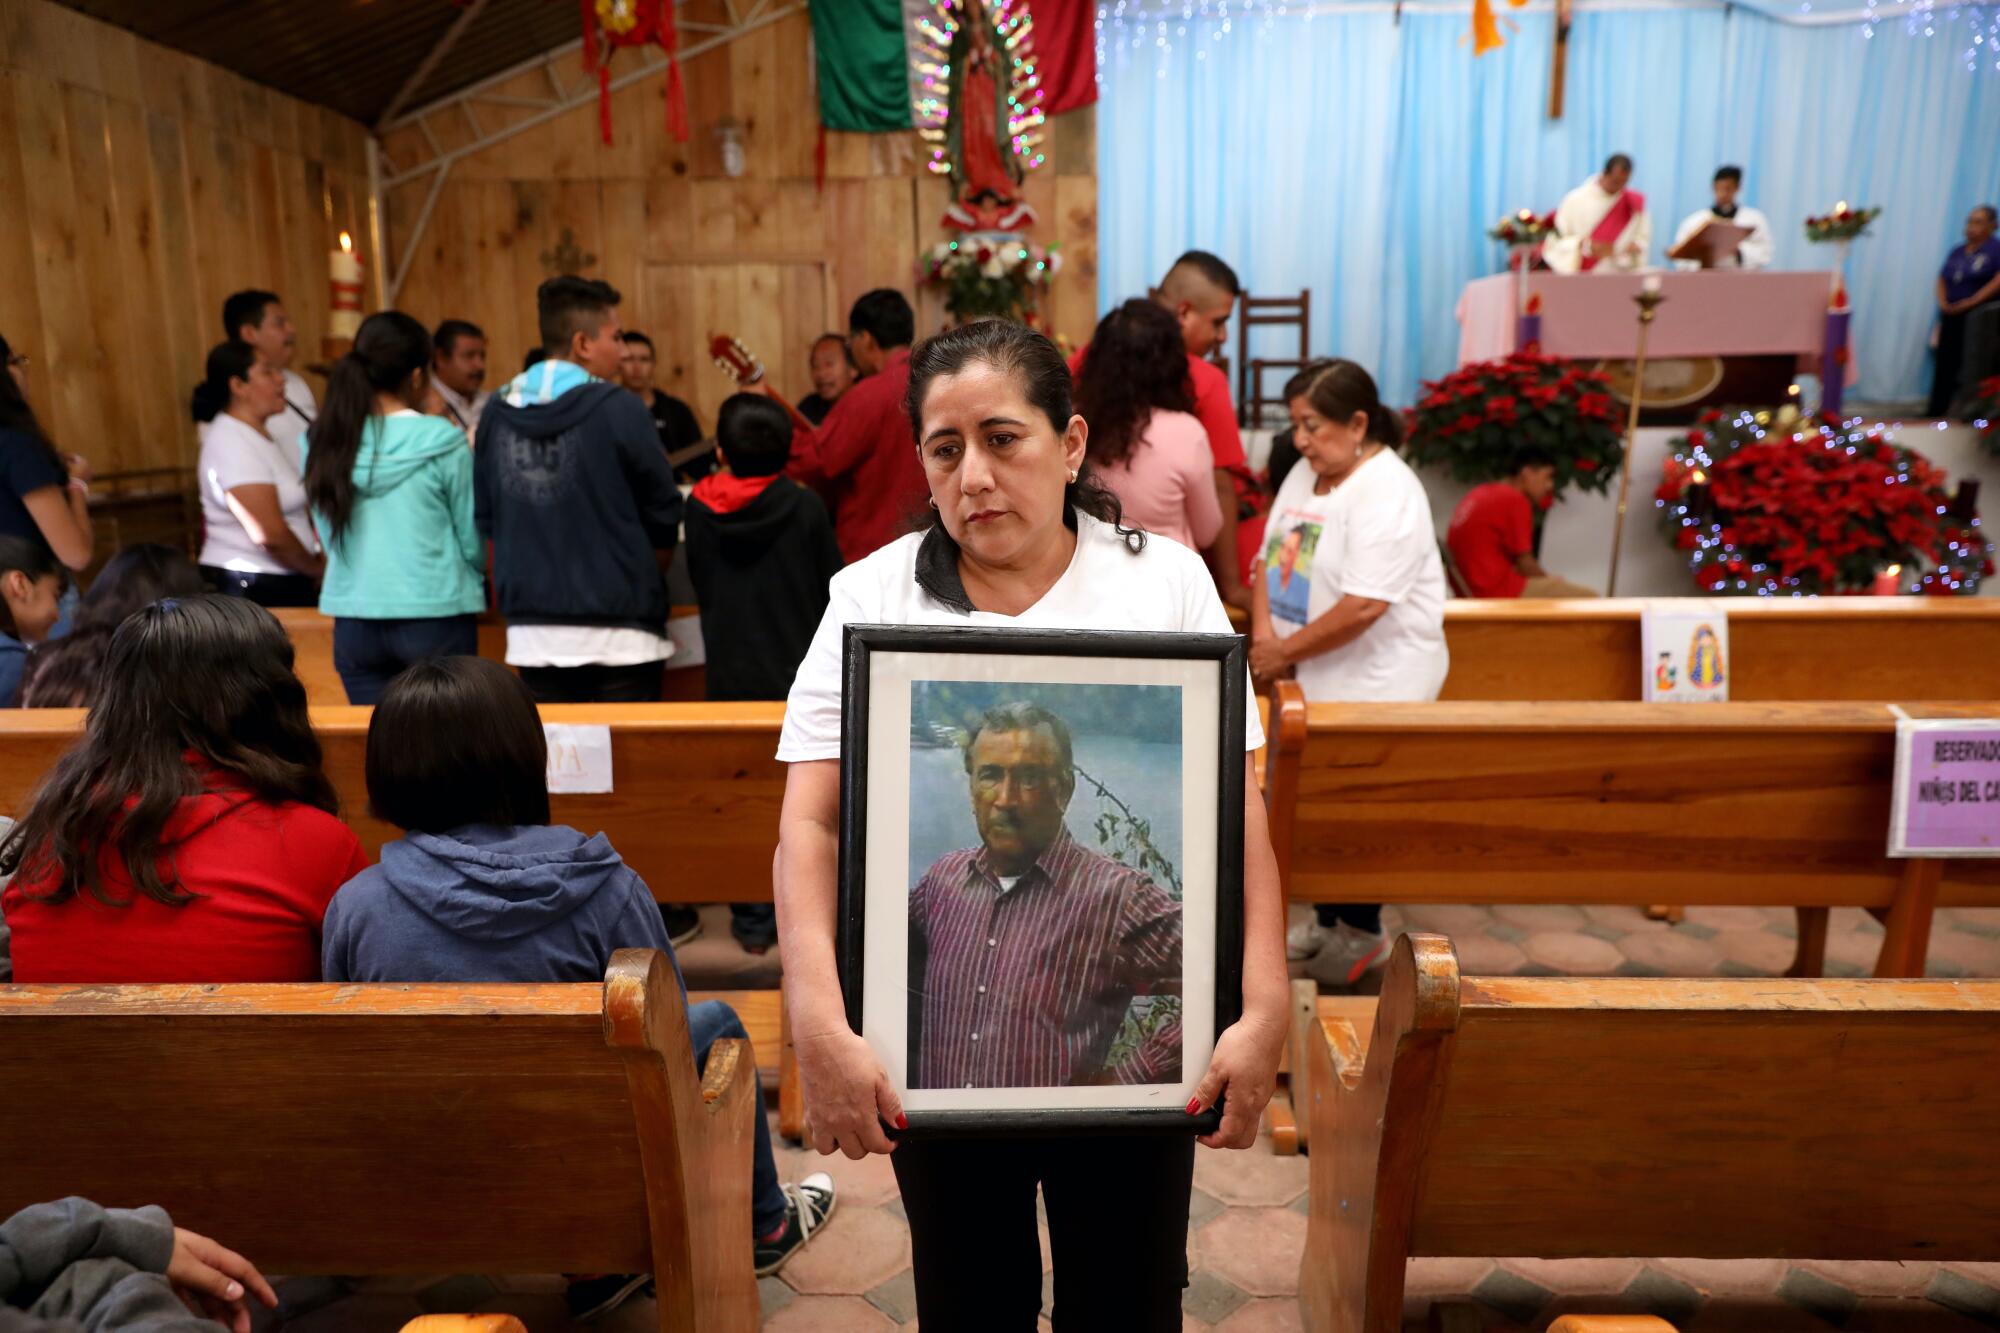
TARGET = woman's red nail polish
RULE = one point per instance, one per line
(902, 1121)
(1194, 1105)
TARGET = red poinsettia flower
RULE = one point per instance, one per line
(1587, 465)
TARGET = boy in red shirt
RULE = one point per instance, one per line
(1492, 533)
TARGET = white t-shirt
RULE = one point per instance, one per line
(234, 454)
(290, 425)
(1370, 536)
(1164, 588)
(584, 645)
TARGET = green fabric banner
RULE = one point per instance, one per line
(864, 64)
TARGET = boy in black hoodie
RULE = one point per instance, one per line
(571, 485)
(760, 554)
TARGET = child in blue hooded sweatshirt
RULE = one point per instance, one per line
(483, 887)
(391, 493)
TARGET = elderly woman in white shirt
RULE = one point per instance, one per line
(1023, 536)
(1349, 597)
(258, 540)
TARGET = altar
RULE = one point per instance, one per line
(1718, 334)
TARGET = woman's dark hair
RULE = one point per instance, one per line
(389, 348)
(1016, 350)
(1136, 364)
(457, 741)
(205, 678)
(136, 577)
(16, 415)
(32, 558)
(63, 673)
(1337, 389)
(226, 361)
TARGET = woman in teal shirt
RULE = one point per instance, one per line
(391, 490)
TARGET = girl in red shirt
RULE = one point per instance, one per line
(190, 835)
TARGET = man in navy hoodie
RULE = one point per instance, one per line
(570, 484)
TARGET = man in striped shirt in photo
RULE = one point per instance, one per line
(1026, 951)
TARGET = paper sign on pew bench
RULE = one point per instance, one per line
(1947, 792)
(1684, 652)
(579, 757)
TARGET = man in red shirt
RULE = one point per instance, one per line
(862, 459)
(1492, 533)
(1201, 292)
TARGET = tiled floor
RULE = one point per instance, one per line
(1248, 1212)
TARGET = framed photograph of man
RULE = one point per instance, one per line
(1041, 871)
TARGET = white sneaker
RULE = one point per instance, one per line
(1347, 955)
(1306, 939)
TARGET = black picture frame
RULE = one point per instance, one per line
(1229, 656)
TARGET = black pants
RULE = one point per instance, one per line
(264, 589)
(1950, 361)
(1118, 1228)
(597, 684)
(1361, 916)
(369, 654)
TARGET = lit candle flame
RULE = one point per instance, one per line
(346, 242)
(1792, 390)
(1699, 478)
(1893, 570)
(1840, 207)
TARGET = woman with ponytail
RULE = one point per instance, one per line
(1349, 596)
(258, 542)
(392, 491)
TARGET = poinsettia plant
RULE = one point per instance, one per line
(1842, 224)
(1986, 414)
(1802, 506)
(1522, 228)
(990, 276)
(1474, 419)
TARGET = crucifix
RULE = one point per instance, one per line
(1559, 60)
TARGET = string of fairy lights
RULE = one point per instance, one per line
(1125, 28)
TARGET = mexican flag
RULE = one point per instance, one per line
(868, 59)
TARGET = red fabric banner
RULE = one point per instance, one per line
(1066, 52)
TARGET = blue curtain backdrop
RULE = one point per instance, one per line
(1365, 157)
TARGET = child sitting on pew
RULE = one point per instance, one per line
(483, 887)
(31, 589)
(760, 553)
(62, 673)
(190, 834)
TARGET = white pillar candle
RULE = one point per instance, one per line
(343, 280)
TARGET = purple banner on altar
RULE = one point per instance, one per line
(1947, 789)
(1833, 361)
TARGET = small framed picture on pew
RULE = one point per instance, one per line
(1041, 872)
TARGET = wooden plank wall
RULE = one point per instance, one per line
(138, 188)
(770, 256)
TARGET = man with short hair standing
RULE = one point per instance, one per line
(833, 374)
(571, 485)
(258, 318)
(863, 458)
(458, 369)
(679, 429)
(1026, 951)
(1602, 226)
(1756, 249)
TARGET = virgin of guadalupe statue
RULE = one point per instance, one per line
(978, 148)
(1705, 659)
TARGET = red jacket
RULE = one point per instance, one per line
(262, 875)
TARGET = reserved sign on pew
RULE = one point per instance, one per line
(1947, 793)
(579, 757)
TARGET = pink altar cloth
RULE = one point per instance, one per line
(1709, 313)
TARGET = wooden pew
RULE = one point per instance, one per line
(312, 655)
(1832, 648)
(1756, 804)
(1569, 1117)
(400, 1129)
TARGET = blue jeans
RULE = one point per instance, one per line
(710, 1022)
(369, 654)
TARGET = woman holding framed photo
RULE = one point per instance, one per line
(1022, 539)
(1349, 597)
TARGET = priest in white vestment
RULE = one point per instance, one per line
(1757, 248)
(1601, 226)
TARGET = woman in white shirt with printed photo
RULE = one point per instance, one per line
(1349, 597)
(1023, 535)
(258, 540)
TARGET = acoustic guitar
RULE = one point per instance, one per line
(732, 356)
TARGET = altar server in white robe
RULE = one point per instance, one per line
(1601, 226)
(1757, 247)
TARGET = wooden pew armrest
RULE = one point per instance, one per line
(465, 1323)
(1343, 1048)
(1611, 1323)
(729, 1076)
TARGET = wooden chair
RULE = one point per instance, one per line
(400, 1129)
(1565, 1117)
(1267, 312)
